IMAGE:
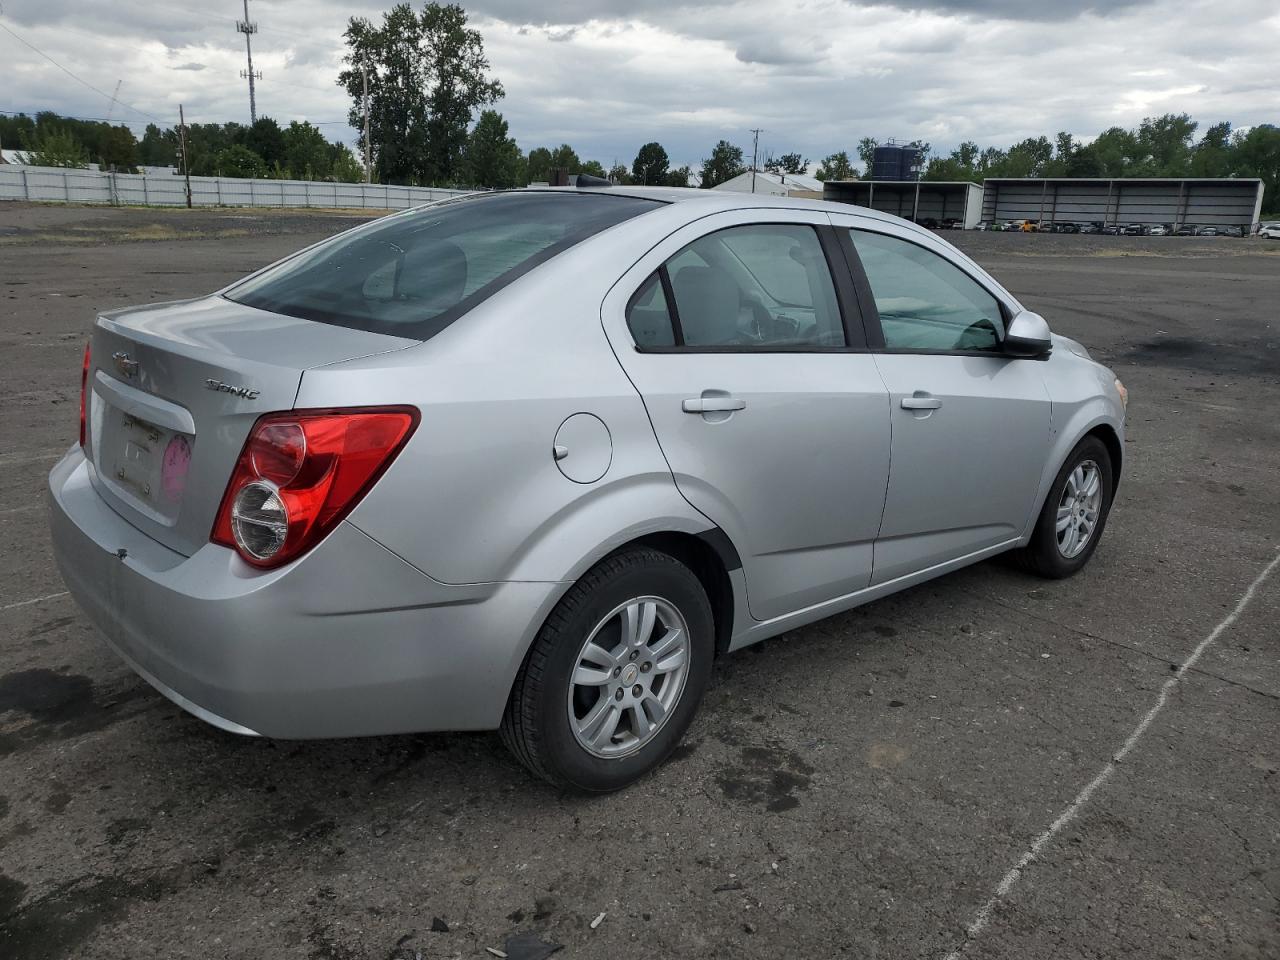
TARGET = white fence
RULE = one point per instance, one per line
(18, 182)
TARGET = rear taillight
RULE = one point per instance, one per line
(84, 391)
(300, 473)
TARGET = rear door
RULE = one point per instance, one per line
(752, 365)
(971, 426)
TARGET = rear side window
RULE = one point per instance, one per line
(754, 287)
(413, 274)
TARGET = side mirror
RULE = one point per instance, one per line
(1028, 336)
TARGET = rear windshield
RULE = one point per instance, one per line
(413, 274)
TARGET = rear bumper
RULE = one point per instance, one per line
(347, 641)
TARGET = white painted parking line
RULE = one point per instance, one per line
(1006, 884)
(25, 603)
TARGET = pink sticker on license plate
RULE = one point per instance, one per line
(173, 470)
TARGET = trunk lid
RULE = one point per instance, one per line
(173, 390)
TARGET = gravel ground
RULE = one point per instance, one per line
(860, 787)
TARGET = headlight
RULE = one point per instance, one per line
(1124, 394)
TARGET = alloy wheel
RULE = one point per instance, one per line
(628, 677)
(1079, 508)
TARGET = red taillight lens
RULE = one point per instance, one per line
(84, 391)
(300, 473)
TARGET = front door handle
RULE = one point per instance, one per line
(921, 401)
(712, 405)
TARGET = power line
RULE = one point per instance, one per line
(107, 96)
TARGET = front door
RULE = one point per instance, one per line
(774, 428)
(971, 426)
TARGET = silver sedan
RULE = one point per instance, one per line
(531, 460)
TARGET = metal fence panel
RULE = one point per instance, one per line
(21, 182)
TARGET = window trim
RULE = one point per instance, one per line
(847, 301)
(866, 300)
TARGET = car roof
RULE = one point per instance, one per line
(715, 201)
(711, 199)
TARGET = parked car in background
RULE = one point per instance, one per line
(1158, 230)
(1094, 226)
(1136, 230)
(1112, 229)
(1186, 230)
(363, 492)
(952, 223)
(1232, 231)
(1269, 231)
(929, 223)
(1207, 232)
(1067, 227)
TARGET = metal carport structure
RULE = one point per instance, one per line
(1177, 201)
(912, 199)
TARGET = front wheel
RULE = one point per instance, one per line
(615, 675)
(1074, 513)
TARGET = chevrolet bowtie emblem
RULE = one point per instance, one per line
(125, 364)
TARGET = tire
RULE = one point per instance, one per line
(1045, 554)
(548, 721)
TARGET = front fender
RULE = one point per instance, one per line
(1083, 419)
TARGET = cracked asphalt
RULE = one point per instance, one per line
(856, 788)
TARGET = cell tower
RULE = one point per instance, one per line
(249, 28)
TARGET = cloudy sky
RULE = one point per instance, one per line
(608, 75)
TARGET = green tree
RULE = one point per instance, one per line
(343, 165)
(57, 148)
(725, 163)
(492, 158)
(650, 165)
(1164, 144)
(836, 167)
(239, 161)
(539, 166)
(117, 149)
(787, 163)
(428, 74)
(866, 153)
(564, 157)
(159, 148)
(619, 174)
(1256, 153)
(266, 139)
(306, 154)
(1211, 157)
(593, 168)
(679, 177)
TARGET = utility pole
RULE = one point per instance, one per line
(249, 28)
(182, 140)
(368, 166)
(755, 148)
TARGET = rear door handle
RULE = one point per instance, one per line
(920, 401)
(712, 405)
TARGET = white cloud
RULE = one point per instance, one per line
(607, 75)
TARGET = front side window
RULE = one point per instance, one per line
(412, 274)
(761, 286)
(926, 302)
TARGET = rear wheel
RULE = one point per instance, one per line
(1074, 513)
(615, 675)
